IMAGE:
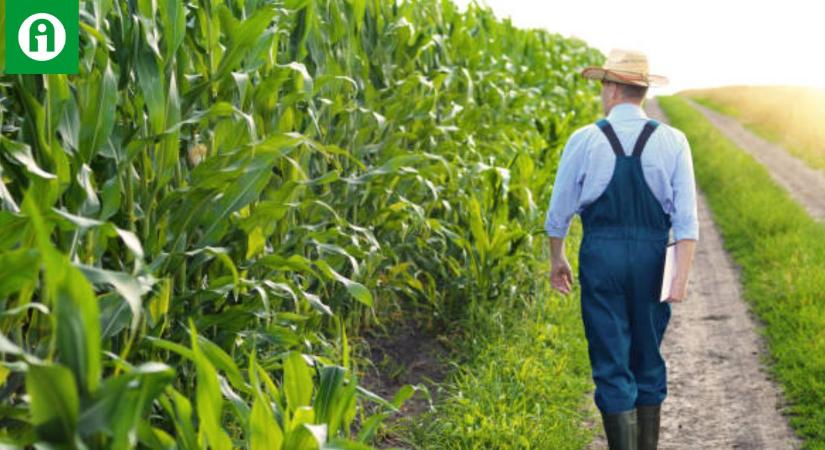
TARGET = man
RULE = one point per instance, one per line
(630, 179)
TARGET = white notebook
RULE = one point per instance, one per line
(670, 272)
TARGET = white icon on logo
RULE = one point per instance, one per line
(42, 37)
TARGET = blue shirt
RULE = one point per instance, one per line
(587, 162)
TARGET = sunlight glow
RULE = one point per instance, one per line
(701, 43)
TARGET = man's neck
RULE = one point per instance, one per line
(637, 104)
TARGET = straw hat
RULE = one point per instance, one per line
(625, 66)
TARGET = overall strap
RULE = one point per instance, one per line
(649, 128)
(607, 129)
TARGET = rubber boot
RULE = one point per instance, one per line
(621, 430)
(648, 418)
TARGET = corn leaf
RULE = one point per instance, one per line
(54, 400)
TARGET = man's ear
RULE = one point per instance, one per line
(607, 90)
(610, 87)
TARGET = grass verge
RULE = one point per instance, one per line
(724, 108)
(768, 132)
(785, 115)
(523, 379)
(781, 251)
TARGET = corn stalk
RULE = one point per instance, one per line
(191, 224)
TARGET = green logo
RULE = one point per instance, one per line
(42, 36)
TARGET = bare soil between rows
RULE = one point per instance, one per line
(408, 353)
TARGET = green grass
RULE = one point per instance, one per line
(767, 132)
(781, 251)
(786, 115)
(717, 106)
(525, 379)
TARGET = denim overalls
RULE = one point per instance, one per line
(621, 262)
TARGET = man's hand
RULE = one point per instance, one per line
(561, 277)
(684, 259)
(678, 290)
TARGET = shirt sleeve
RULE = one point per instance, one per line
(564, 199)
(685, 217)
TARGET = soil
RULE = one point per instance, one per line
(410, 353)
(720, 394)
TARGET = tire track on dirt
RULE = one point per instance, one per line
(805, 184)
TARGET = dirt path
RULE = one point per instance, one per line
(719, 395)
(805, 184)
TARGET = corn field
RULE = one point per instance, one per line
(195, 227)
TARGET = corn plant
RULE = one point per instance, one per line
(192, 226)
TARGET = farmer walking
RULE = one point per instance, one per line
(630, 179)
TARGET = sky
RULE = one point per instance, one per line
(696, 43)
